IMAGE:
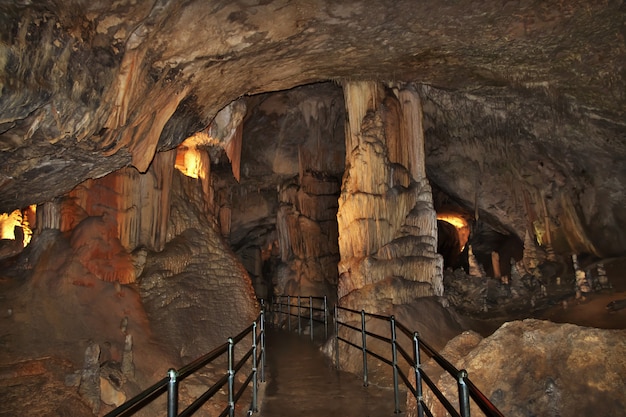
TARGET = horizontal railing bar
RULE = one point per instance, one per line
(349, 326)
(243, 334)
(142, 399)
(202, 361)
(379, 337)
(147, 396)
(482, 401)
(376, 316)
(379, 357)
(243, 360)
(301, 307)
(350, 343)
(302, 297)
(225, 411)
(405, 355)
(243, 387)
(194, 406)
(407, 383)
(442, 398)
(426, 409)
(404, 329)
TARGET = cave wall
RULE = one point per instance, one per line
(284, 207)
(544, 171)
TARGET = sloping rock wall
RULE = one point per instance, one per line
(535, 367)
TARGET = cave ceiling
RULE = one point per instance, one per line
(88, 87)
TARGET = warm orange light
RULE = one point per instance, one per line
(461, 227)
(8, 221)
(189, 157)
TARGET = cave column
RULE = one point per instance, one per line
(387, 224)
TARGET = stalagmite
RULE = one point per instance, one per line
(582, 284)
(89, 387)
(387, 224)
(475, 269)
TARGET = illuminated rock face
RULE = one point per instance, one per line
(195, 291)
(387, 224)
(540, 368)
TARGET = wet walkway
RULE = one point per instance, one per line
(302, 382)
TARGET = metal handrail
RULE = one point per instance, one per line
(284, 305)
(466, 388)
(173, 378)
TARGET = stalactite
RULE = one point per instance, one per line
(412, 132)
(49, 215)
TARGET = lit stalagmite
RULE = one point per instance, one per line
(387, 224)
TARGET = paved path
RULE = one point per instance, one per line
(302, 382)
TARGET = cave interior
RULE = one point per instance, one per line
(164, 165)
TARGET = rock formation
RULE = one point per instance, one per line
(512, 111)
(387, 224)
(533, 367)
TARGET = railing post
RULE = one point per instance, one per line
(325, 318)
(299, 324)
(336, 337)
(364, 347)
(418, 375)
(394, 360)
(262, 346)
(231, 378)
(311, 314)
(172, 393)
(289, 312)
(464, 404)
(255, 382)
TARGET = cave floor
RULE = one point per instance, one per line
(303, 382)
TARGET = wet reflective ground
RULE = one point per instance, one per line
(302, 382)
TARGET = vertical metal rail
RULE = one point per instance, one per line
(231, 379)
(299, 310)
(255, 382)
(419, 395)
(172, 393)
(289, 312)
(311, 315)
(262, 346)
(364, 348)
(464, 404)
(394, 359)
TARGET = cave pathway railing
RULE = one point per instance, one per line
(302, 311)
(466, 389)
(254, 357)
(307, 310)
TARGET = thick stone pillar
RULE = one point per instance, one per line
(387, 224)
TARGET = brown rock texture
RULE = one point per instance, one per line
(90, 88)
(387, 223)
(535, 367)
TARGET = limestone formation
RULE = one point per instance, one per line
(166, 149)
(387, 224)
(195, 291)
(89, 387)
